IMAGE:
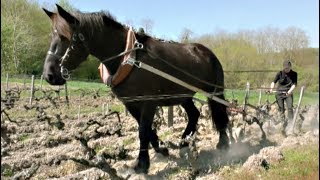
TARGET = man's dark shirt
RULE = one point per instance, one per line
(286, 80)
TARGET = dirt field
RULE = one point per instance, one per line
(44, 142)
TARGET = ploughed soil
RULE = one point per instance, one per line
(47, 142)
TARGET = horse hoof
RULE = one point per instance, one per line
(183, 144)
(222, 146)
(163, 151)
(139, 168)
(223, 143)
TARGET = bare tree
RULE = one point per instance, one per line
(185, 35)
(129, 22)
(293, 40)
(147, 24)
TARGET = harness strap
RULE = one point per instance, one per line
(182, 83)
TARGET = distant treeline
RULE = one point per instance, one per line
(25, 39)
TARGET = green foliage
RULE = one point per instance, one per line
(24, 36)
(66, 5)
(24, 137)
(88, 69)
(264, 49)
(8, 172)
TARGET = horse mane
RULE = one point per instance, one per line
(92, 22)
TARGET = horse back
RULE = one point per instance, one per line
(193, 58)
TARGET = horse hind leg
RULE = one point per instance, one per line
(193, 117)
(221, 120)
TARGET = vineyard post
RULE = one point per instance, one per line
(41, 79)
(246, 97)
(170, 116)
(107, 108)
(260, 93)
(7, 79)
(103, 110)
(126, 111)
(32, 89)
(66, 93)
(24, 81)
(79, 108)
(58, 93)
(297, 109)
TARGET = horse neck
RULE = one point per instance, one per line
(109, 43)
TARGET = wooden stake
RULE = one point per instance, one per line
(246, 97)
(7, 79)
(32, 89)
(297, 109)
(260, 93)
(24, 81)
(66, 93)
(103, 110)
(107, 109)
(79, 108)
(126, 111)
(41, 79)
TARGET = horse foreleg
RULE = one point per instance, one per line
(145, 129)
(154, 139)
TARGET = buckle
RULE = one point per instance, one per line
(133, 62)
(138, 45)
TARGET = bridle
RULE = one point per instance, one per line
(76, 40)
(64, 72)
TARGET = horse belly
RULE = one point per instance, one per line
(143, 85)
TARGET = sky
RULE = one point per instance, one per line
(170, 17)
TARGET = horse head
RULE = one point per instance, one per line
(63, 39)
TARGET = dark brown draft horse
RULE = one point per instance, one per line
(141, 91)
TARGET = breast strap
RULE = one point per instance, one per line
(124, 69)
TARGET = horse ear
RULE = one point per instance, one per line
(49, 13)
(67, 16)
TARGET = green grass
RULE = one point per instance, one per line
(307, 98)
(24, 137)
(299, 163)
(7, 172)
(165, 134)
(74, 86)
(128, 141)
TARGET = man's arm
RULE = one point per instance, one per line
(271, 86)
(291, 89)
(275, 80)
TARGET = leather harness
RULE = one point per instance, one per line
(124, 69)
